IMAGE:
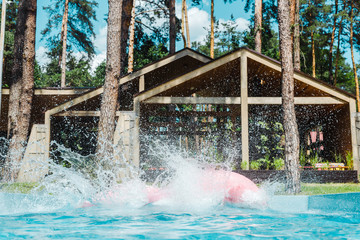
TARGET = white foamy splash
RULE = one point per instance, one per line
(183, 178)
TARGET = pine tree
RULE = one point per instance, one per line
(296, 29)
(258, 24)
(287, 78)
(11, 12)
(126, 16)
(352, 14)
(21, 89)
(212, 38)
(172, 23)
(76, 28)
(185, 25)
(111, 86)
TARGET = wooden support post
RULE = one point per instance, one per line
(136, 159)
(142, 83)
(244, 110)
(47, 133)
(354, 142)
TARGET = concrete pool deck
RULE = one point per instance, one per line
(349, 202)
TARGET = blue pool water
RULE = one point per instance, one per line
(286, 217)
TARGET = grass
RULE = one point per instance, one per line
(17, 187)
(328, 188)
(306, 188)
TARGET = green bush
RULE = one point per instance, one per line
(265, 162)
(302, 157)
(313, 159)
(255, 165)
(349, 160)
(279, 163)
(338, 158)
(244, 165)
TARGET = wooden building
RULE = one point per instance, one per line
(190, 95)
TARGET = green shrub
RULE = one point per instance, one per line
(244, 165)
(349, 160)
(255, 165)
(338, 158)
(279, 163)
(302, 157)
(265, 162)
(314, 159)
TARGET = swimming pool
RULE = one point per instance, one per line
(301, 217)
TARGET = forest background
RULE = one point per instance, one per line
(234, 27)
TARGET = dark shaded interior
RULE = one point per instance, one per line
(223, 81)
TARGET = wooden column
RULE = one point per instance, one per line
(244, 110)
(136, 156)
(354, 138)
(47, 133)
(136, 159)
(141, 83)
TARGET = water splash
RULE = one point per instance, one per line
(188, 182)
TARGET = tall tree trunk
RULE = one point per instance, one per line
(292, 19)
(187, 27)
(64, 42)
(332, 44)
(258, 25)
(172, 26)
(21, 90)
(183, 23)
(212, 30)
(338, 51)
(297, 36)
(352, 54)
(125, 24)
(287, 77)
(131, 40)
(109, 100)
(313, 54)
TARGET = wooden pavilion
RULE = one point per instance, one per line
(190, 96)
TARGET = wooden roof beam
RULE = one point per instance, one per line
(237, 100)
(194, 100)
(45, 91)
(74, 102)
(187, 77)
(161, 63)
(81, 114)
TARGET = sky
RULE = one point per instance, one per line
(199, 18)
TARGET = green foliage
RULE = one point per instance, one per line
(349, 160)
(269, 40)
(313, 159)
(147, 50)
(99, 74)
(255, 165)
(279, 164)
(269, 142)
(227, 39)
(302, 157)
(265, 162)
(338, 157)
(77, 74)
(316, 16)
(80, 27)
(18, 187)
(244, 165)
(11, 12)
(38, 75)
